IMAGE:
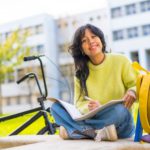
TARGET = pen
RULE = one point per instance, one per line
(87, 98)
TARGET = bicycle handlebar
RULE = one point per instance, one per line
(29, 75)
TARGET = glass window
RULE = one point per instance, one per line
(18, 100)
(135, 56)
(40, 48)
(130, 9)
(21, 73)
(145, 6)
(2, 37)
(10, 77)
(116, 12)
(118, 35)
(91, 19)
(28, 30)
(68, 73)
(64, 47)
(146, 29)
(148, 58)
(39, 29)
(33, 30)
(8, 101)
(7, 34)
(74, 22)
(98, 17)
(132, 32)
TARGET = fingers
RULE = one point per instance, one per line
(93, 104)
(129, 99)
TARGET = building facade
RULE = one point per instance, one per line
(125, 23)
(130, 29)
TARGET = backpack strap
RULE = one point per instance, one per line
(143, 94)
(144, 100)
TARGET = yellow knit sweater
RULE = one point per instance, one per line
(107, 81)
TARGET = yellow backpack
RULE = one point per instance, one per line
(143, 95)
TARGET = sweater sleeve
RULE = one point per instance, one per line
(79, 101)
(129, 75)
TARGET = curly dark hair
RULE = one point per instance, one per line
(81, 60)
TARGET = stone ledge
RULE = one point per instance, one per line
(18, 140)
(53, 142)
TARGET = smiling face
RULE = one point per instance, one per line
(91, 44)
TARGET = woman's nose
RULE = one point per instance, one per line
(90, 40)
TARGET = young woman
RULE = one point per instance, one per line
(102, 77)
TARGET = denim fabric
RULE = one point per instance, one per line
(116, 114)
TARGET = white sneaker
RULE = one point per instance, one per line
(63, 133)
(107, 133)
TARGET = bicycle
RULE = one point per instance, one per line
(49, 127)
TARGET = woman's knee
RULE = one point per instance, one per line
(122, 113)
(121, 109)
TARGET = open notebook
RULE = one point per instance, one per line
(75, 113)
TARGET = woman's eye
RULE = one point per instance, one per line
(83, 41)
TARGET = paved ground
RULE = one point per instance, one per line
(54, 142)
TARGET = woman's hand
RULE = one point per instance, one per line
(93, 104)
(129, 98)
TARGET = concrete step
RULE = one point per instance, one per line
(17, 140)
(54, 142)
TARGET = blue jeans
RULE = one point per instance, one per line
(116, 114)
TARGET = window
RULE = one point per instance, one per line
(145, 6)
(59, 25)
(10, 77)
(28, 30)
(33, 30)
(135, 56)
(67, 70)
(64, 47)
(130, 9)
(2, 37)
(21, 73)
(39, 29)
(148, 58)
(18, 100)
(62, 23)
(7, 34)
(118, 35)
(98, 17)
(40, 48)
(132, 32)
(91, 19)
(116, 12)
(68, 73)
(146, 29)
(8, 101)
(74, 23)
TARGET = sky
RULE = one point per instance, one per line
(11, 10)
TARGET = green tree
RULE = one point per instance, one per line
(12, 51)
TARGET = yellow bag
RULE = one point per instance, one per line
(143, 95)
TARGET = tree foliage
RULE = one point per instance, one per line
(12, 51)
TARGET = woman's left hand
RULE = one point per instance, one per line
(129, 98)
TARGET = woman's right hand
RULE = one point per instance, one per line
(93, 104)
